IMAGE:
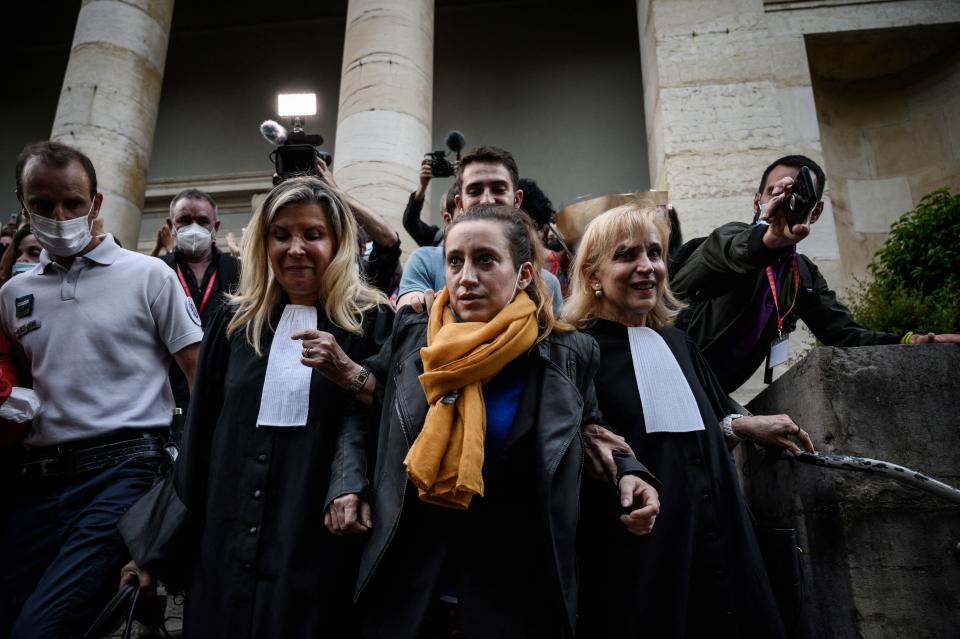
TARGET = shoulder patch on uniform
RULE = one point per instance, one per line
(192, 310)
(24, 305)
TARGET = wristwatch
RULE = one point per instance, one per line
(359, 380)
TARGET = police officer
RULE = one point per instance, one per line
(96, 327)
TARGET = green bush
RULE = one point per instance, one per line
(916, 275)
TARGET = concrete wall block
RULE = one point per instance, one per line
(376, 151)
(126, 27)
(880, 558)
(120, 213)
(110, 91)
(821, 244)
(714, 58)
(861, 16)
(934, 177)
(787, 54)
(121, 166)
(721, 118)
(388, 57)
(699, 216)
(713, 175)
(684, 17)
(876, 204)
(901, 148)
(799, 113)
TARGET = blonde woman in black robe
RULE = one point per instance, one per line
(699, 573)
(241, 523)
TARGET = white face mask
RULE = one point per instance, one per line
(194, 240)
(62, 239)
(516, 288)
(763, 209)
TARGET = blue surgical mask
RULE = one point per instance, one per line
(22, 267)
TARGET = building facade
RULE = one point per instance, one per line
(693, 97)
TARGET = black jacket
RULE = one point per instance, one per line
(723, 279)
(559, 396)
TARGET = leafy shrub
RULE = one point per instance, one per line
(916, 275)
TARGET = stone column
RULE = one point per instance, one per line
(726, 92)
(108, 104)
(385, 115)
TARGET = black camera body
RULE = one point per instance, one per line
(801, 199)
(296, 152)
(440, 166)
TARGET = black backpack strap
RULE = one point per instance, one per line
(682, 254)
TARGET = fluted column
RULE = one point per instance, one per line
(108, 103)
(385, 112)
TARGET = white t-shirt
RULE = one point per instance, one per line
(99, 338)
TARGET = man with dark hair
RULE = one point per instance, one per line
(541, 211)
(425, 234)
(485, 175)
(205, 274)
(746, 286)
(96, 327)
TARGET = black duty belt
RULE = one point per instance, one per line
(68, 460)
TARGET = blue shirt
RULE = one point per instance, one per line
(501, 398)
(425, 269)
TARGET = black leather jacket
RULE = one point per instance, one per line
(564, 364)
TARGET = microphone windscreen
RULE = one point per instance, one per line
(273, 132)
(455, 141)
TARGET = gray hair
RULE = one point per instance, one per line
(194, 194)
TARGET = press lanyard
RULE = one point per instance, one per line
(773, 291)
(206, 294)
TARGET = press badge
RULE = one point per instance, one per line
(779, 351)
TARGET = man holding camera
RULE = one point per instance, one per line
(485, 175)
(96, 327)
(425, 234)
(746, 285)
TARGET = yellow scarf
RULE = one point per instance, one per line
(446, 460)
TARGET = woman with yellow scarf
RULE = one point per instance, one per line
(472, 511)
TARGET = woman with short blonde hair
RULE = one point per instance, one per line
(699, 573)
(625, 223)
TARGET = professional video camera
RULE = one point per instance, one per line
(440, 166)
(296, 152)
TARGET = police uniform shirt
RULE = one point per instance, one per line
(99, 337)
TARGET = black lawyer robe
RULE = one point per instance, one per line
(699, 573)
(259, 561)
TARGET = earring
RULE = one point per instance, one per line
(598, 292)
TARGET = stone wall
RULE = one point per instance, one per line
(880, 559)
(888, 102)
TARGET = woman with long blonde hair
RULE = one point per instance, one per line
(241, 523)
(699, 573)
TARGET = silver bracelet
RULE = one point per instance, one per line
(727, 427)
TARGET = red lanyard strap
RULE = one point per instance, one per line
(206, 293)
(773, 291)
